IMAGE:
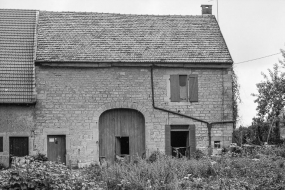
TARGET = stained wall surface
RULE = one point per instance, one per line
(71, 100)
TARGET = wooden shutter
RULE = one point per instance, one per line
(192, 138)
(168, 140)
(174, 88)
(193, 88)
(1, 144)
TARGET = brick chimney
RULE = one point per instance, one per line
(206, 9)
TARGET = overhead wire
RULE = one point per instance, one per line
(257, 58)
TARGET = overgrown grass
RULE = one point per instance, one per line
(263, 169)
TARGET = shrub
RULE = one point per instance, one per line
(154, 156)
(40, 157)
(42, 175)
(2, 166)
(198, 154)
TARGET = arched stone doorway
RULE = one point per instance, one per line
(121, 132)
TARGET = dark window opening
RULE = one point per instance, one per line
(122, 145)
(1, 144)
(19, 146)
(217, 144)
(182, 80)
(179, 143)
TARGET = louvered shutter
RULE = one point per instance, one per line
(193, 88)
(168, 140)
(174, 88)
(192, 139)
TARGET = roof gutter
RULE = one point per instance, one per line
(209, 124)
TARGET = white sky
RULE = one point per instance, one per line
(251, 28)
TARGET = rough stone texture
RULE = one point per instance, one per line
(71, 100)
(15, 120)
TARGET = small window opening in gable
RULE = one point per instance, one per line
(184, 88)
(122, 146)
(1, 144)
(217, 144)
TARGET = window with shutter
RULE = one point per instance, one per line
(184, 88)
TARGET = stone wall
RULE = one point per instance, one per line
(71, 100)
(15, 121)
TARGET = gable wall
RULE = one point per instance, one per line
(71, 100)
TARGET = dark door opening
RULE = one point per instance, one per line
(179, 143)
(122, 146)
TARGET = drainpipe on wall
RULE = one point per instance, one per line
(209, 125)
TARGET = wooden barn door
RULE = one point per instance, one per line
(19, 146)
(121, 132)
(56, 148)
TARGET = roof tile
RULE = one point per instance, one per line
(17, 33)
(102, 37)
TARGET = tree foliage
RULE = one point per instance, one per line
(236, 97)
(270, 101)
(271, 93)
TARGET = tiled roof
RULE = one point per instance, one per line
(17, 34)
(101, 37)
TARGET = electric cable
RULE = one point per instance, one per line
(257, 58)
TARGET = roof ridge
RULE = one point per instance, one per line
(127, 14)
(19, 10)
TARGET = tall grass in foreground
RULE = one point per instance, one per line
(226, 172)
(264, 169)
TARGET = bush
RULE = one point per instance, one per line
(198, 154)
(264, 170)
(40, 157)
(42, 175)
(154, 156)
(2, 166)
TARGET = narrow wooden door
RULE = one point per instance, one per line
(19, 146)
(56, 148)
(117, 124)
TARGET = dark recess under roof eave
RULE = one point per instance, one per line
(132, 63)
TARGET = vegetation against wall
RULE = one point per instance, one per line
(236, 97)
(263, 168)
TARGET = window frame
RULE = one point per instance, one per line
(217, 144)
(192, 88)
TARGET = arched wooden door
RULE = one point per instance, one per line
(121, 132)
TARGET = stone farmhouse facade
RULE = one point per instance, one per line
(81, 87)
